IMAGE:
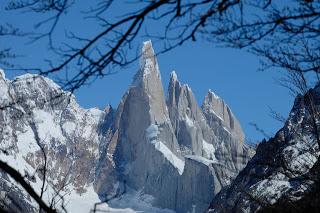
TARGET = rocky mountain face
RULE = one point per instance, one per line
(37, 117)
(283, 176)
(171, 150)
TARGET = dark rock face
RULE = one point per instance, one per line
(310, 199)
(12, 198)
(280, 172)
(184, 111)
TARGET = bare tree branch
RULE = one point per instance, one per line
(19, 178)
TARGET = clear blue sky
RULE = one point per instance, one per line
(231, 74)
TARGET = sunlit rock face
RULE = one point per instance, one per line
(189, 123)
(169, 149)
(282, 171)
(231, 149)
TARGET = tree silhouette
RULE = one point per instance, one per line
(285, 35)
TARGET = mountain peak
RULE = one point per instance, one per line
(149, 68)
(211, 95)
(148, 81)
(214, 106)
(173, 76)
(108, 108)
(147, 50)
(2, 74)
(148, 58)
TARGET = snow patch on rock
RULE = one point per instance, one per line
(202, 160)
(214, 95)
(189, 121)
(152, 133)
(47, 125)
(170, 156)
(135, 201)
(209, 150)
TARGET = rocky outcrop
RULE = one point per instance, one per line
(220, 115)
(281, 171)
(187, 119)
(230, 146)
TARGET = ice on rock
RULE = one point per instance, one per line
(189, 121)
(200, 159)
(209, 150)
(170, 156)
(147, 50)
(152, 132)
(214, 95)
(149, 68)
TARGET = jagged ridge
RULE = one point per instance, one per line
(172, 150)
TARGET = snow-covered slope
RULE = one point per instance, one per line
(280, 170)
(36, 117)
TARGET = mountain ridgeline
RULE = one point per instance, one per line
(172, 150)
(283, 176)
